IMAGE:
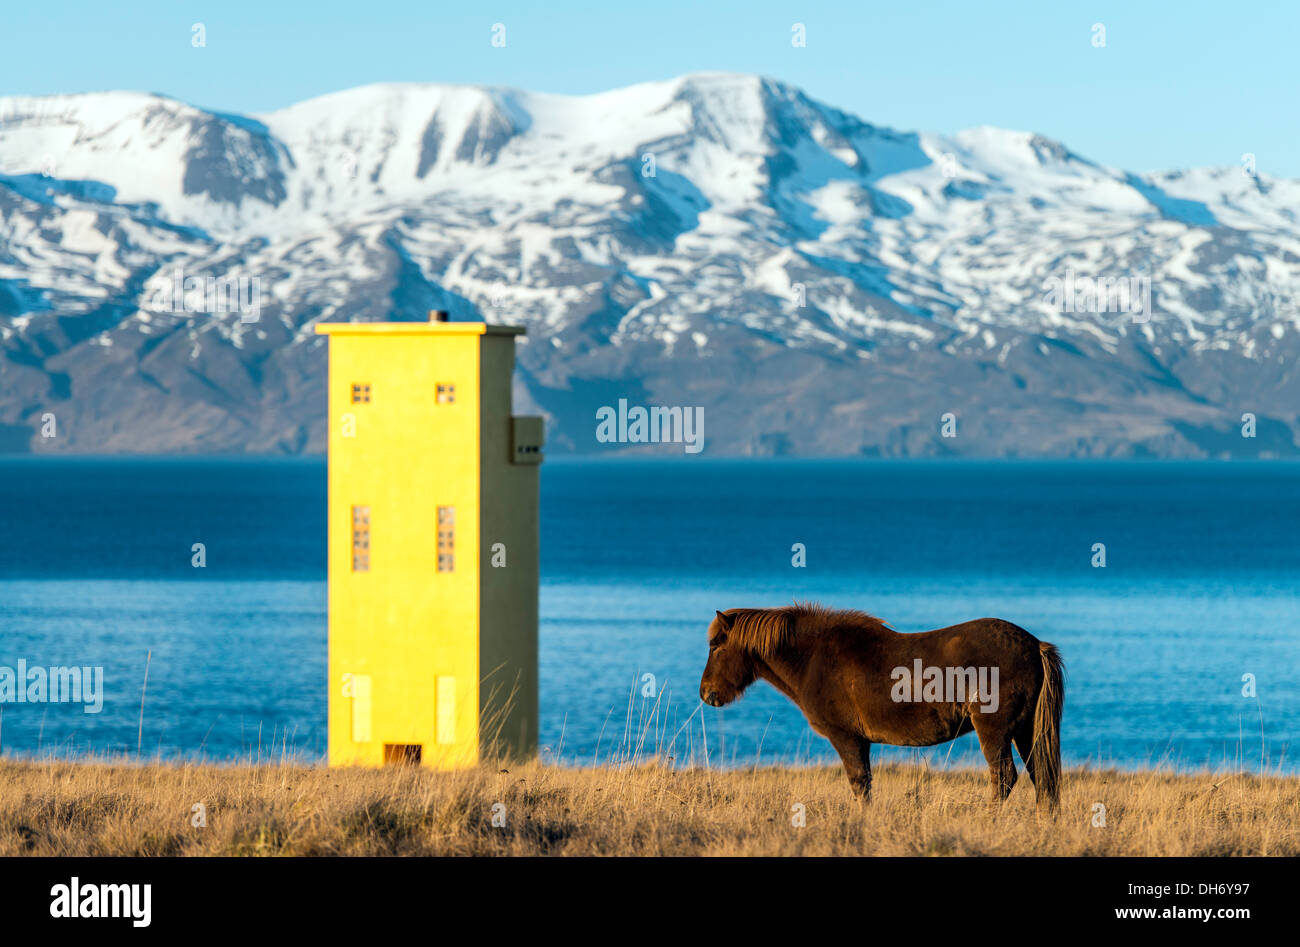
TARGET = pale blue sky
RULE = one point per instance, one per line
(1179, 84)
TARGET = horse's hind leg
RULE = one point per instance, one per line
(1025, 747)
(995, 741)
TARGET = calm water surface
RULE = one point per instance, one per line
(1201, 586)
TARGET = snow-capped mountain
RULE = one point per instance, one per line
(817, 284)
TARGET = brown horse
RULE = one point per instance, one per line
(860, 682)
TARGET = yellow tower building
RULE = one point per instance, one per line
(433, 546)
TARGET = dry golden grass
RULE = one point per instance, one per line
(60, 808)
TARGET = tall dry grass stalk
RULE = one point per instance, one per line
(96, 808)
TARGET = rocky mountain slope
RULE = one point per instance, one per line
(817, 284)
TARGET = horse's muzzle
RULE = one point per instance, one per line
(710, 698)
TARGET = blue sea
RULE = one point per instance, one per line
(1183, 650)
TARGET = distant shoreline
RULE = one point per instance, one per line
(706, 457)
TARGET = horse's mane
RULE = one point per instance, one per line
(764, 631)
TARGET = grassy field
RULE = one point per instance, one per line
(58, 808)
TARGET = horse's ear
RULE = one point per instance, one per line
(726, 621)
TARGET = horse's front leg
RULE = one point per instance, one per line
(855, 751)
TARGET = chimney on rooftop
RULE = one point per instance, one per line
(438, 315)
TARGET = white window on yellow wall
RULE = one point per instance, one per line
(446, 538)
(360, 708)
(360, 539)
(446, 710)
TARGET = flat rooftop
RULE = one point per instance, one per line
(416, 328)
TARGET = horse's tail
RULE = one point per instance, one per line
(1046, 751)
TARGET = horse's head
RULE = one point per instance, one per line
(729, 669)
